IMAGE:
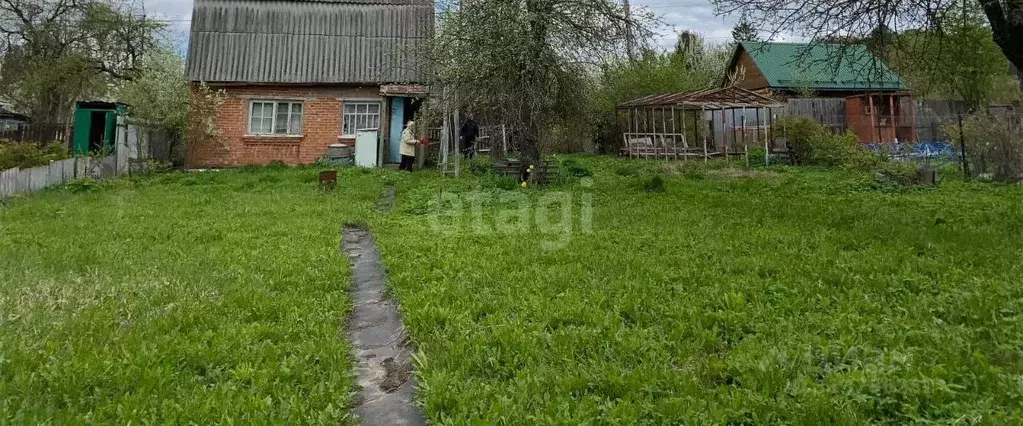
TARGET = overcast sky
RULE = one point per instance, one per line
(695, 15)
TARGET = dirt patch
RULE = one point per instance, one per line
(397, 374)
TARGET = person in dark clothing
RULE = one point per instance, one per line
(468, 133)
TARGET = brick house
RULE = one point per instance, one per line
(301, 75)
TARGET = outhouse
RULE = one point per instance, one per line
(96, 126)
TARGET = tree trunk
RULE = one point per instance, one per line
(532, 77)
(1006, 18)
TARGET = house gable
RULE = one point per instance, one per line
(746, 73)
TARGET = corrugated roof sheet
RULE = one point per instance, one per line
(332, 41)
(821, 66)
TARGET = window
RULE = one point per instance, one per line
(360, 116)
(275, 118)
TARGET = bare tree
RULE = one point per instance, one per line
(823, 19)
(56, 51)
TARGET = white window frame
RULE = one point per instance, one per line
(346, 102)
(273, 119)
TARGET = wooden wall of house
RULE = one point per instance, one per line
(751, 78)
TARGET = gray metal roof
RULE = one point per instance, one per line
(326, 41)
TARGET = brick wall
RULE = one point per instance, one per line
(321, 125)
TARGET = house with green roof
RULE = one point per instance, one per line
(826, 70)
(873, 95)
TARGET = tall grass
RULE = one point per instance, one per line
(790, 296)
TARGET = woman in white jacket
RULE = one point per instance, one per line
(408, 146)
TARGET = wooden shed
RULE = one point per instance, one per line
(881, 117)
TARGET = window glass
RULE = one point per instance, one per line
(277, 118)
(359, 116)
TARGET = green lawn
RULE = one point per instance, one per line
(787, 296)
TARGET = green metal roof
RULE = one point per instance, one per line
(821, 66)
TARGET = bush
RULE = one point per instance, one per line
(994, 145)
(841, 151)
(896, 174)
(481, 165)
(756, 156)
(654, 183)
(811, 144)
(800, 133)
(27, 155)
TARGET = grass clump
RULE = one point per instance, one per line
(653, 183)
(573, 167)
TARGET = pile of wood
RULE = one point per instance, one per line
(540, 174)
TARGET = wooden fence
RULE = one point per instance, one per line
(22, 181)
(829, 112)
(131, 150)
(38, 133)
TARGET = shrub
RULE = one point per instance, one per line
(841, 150)
(994, 144)
(799, 133)
(654, 183)
(756, 156)
(481, 165)
(811, 144)
(896, 174)
(27, 155)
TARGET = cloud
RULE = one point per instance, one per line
(692, 15)
(176, 14)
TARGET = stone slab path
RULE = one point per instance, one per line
(379, 342)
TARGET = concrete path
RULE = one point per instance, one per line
(379, 342)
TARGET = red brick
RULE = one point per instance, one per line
(321, 125)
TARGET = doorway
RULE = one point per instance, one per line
(97, 130)
(403, 110)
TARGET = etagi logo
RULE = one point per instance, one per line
(552, 214)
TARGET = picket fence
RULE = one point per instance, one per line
(22, 181)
